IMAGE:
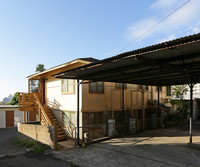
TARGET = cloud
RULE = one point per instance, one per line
(171, 37)
(164, 4)
(137, 29)
(185, 21)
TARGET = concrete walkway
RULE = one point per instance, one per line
(161, 147)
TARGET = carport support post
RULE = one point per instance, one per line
(78, 94)
(191, 110)
(123, 114)
(158, 106)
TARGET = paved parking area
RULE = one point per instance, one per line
(12, 155)
(6, 137)
(160, 147)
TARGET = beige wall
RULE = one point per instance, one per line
(111, 99)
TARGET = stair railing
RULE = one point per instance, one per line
(43, 117)
(31, 102)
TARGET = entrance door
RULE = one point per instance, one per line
(9, 119)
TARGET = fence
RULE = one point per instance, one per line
(91, 133)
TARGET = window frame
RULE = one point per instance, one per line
(65, 93)
(96, 91)
(168, 90)
(125, 86)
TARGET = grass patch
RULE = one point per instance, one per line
(38, 147)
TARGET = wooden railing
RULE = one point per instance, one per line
(31, 102)
(25, 102)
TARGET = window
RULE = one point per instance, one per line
(96, 87)
(146, 87)
(119, 85)
(169, 91)
(69, 119)
(34, 86)
(140, 87)
(160, 88)
(67, 86)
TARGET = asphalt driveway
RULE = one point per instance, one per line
(12, 155)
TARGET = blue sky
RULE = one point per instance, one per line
(53, 32)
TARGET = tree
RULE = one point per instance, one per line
(40, 68)
(179, 91)
(181, 113)
(14, 100)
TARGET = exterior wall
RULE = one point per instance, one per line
(2, 119)
(63, 105)
(18, 115)
(111, 100)
(41, 133)
(55, 99)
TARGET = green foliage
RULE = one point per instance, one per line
(40, 68)
(179, 91)
(14, 100)
(2, 103)
(38, 148)
(16, 141)
(181, 113)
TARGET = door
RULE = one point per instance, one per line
(32, 116)
(9, 119)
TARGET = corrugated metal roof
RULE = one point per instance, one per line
(169, 63)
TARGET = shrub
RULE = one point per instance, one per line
(38, 147)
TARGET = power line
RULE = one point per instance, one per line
(153, 26)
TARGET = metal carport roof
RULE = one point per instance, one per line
(168, 63)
